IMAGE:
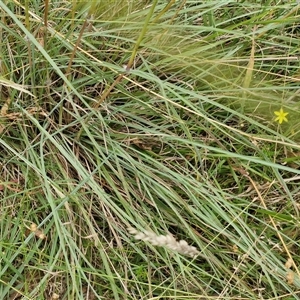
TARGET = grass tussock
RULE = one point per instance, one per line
(147, 114)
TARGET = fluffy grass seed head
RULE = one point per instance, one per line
(167, 241)
(281, 116)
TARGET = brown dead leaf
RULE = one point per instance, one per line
(4, 108)
(141, 144)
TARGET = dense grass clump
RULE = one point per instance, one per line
(157, 116)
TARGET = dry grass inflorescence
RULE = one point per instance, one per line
(167, 241)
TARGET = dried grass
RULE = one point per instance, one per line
(167, 241)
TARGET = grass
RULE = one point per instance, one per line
(156, 116)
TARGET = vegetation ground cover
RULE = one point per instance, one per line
(135, 132)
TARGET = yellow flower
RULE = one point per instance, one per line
(281, 116)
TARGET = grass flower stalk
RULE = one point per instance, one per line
(167, 241)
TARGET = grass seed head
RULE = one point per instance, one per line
(167, 241)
